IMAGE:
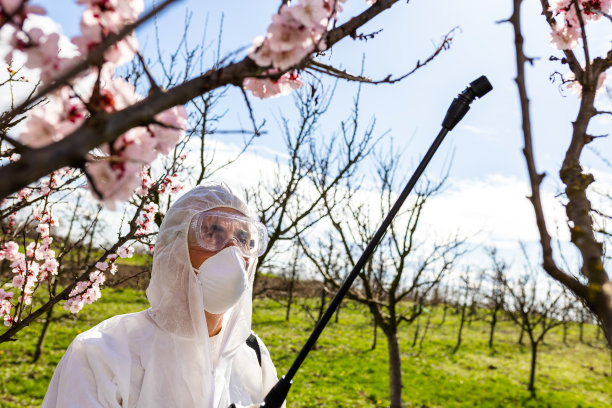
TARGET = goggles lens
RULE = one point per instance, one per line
(213, 230)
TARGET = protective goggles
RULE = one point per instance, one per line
(213, 230)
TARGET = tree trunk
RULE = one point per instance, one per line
(492, 331)
(290, 298)
(322, 305)
(41, 338)
(395, 370)
(416, 332)
(375, 335)
(425, 331)
(460, 330)
(581, 325)
(534, 354)
(337, 316)
(520, 339)
(444, 313)
(565, 332)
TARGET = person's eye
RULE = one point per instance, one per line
(243, 237)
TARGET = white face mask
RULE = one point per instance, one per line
(224, 279)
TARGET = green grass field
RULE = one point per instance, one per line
(344, 372)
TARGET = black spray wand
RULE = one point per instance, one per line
(456, 111)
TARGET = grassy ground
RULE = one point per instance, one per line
(344, 372)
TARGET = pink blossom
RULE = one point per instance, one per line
(50, 266)
(146, 183)
(565, 38)
(92, 295)
(33, 270)
(53, 121)
(136, 145)
(97, 278)
(260, 52)
(80, 287)
(5, 306)
(175, 123)
(113, 269)
(125, 252)
(74, 305)
(41, 126)
(285, 33)
(30, 249)
(112, 257)
(10, 6)
(14, 157)
(558, 5)
(10, 251)
(371, 2)
(19, 264)
(43, 252)
(24, 193)
(43, 229)
(122, 93)
(310, 13)
(102, 266)
(115, 181)
(268, 88)
(5, 295)
(44, 49)
(18, 281)
(122, 51)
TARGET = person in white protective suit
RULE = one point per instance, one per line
(189, 348)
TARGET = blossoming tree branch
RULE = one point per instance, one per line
(130, 131)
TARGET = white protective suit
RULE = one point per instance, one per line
(162, 356)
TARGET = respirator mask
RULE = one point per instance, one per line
(223, 276)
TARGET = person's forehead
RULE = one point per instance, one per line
(227, 210)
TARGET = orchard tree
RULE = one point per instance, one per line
(403, 271)
(496, 295)
(534, 310)
(570, 22)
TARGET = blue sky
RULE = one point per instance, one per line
(488, 141)
(487, 184)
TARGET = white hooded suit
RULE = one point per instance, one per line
(162, 356)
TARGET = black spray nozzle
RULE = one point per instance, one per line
(461, 104)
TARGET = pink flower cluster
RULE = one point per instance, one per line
(115, 172)
(296, 31)
(567, 31)
(37, 264)
(119, 172)
(6, 306)
(85, 292)
(147, 220)
(103, 18)
(170, 184)
(11, 222)
(270, 88)
(88, 291)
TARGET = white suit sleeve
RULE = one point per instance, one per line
(268, 370)
(80, 380)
